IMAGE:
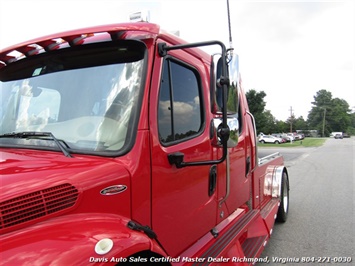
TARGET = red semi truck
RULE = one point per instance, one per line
(123, 143)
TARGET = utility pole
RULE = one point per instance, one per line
(291, 119)
(325, 110)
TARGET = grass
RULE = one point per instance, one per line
(307, 142)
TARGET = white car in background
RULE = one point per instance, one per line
(334, 134)
(270, 139)
(291, 136)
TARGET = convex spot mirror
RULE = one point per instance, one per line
(233, 125)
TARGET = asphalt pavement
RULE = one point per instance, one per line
(291, 155)
(320, 228)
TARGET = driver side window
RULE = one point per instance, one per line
(179, 115)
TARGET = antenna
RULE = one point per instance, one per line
(230, 30)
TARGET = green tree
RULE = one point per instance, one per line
(256, 101)
(256, 107)
(300, 124)
(351, 128)
(290, 122)
(269, 125)
(282, 127)
(265, 121)
(339, 115)
(329, 114)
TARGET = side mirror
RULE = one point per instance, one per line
(232, 101)
(216, 88)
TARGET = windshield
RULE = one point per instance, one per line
(87, 98)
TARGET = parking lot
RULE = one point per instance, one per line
(320, 226)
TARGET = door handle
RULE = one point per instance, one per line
(247, 166)
(212, 180)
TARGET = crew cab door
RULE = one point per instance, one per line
(183, 207)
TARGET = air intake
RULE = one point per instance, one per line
(37, 204)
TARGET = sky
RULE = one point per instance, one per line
(289, 50)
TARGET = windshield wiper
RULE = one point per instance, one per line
(29, 134)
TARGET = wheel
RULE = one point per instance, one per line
(262, 141)
(277, 142)
(284, 199)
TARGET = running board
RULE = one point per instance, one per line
(230, 237)
(269, 213)
(253, 247)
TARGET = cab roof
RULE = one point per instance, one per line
(77, 37)
(133, 30)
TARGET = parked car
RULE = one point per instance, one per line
(281, 136)
(300, 136)
(338, 136)
(270, 139)
(333, 134)
(287, 138)
(296, 136)
(291, 136)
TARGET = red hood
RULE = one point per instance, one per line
(24, 171)
(36, 185)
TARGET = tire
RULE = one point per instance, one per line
(262, 141)
(284, 199)
(277, 142)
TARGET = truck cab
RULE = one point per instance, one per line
(123, 143)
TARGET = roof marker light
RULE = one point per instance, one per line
(140, 16)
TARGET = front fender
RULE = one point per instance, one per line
(71, 240)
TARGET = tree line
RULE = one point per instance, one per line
(327, 115)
